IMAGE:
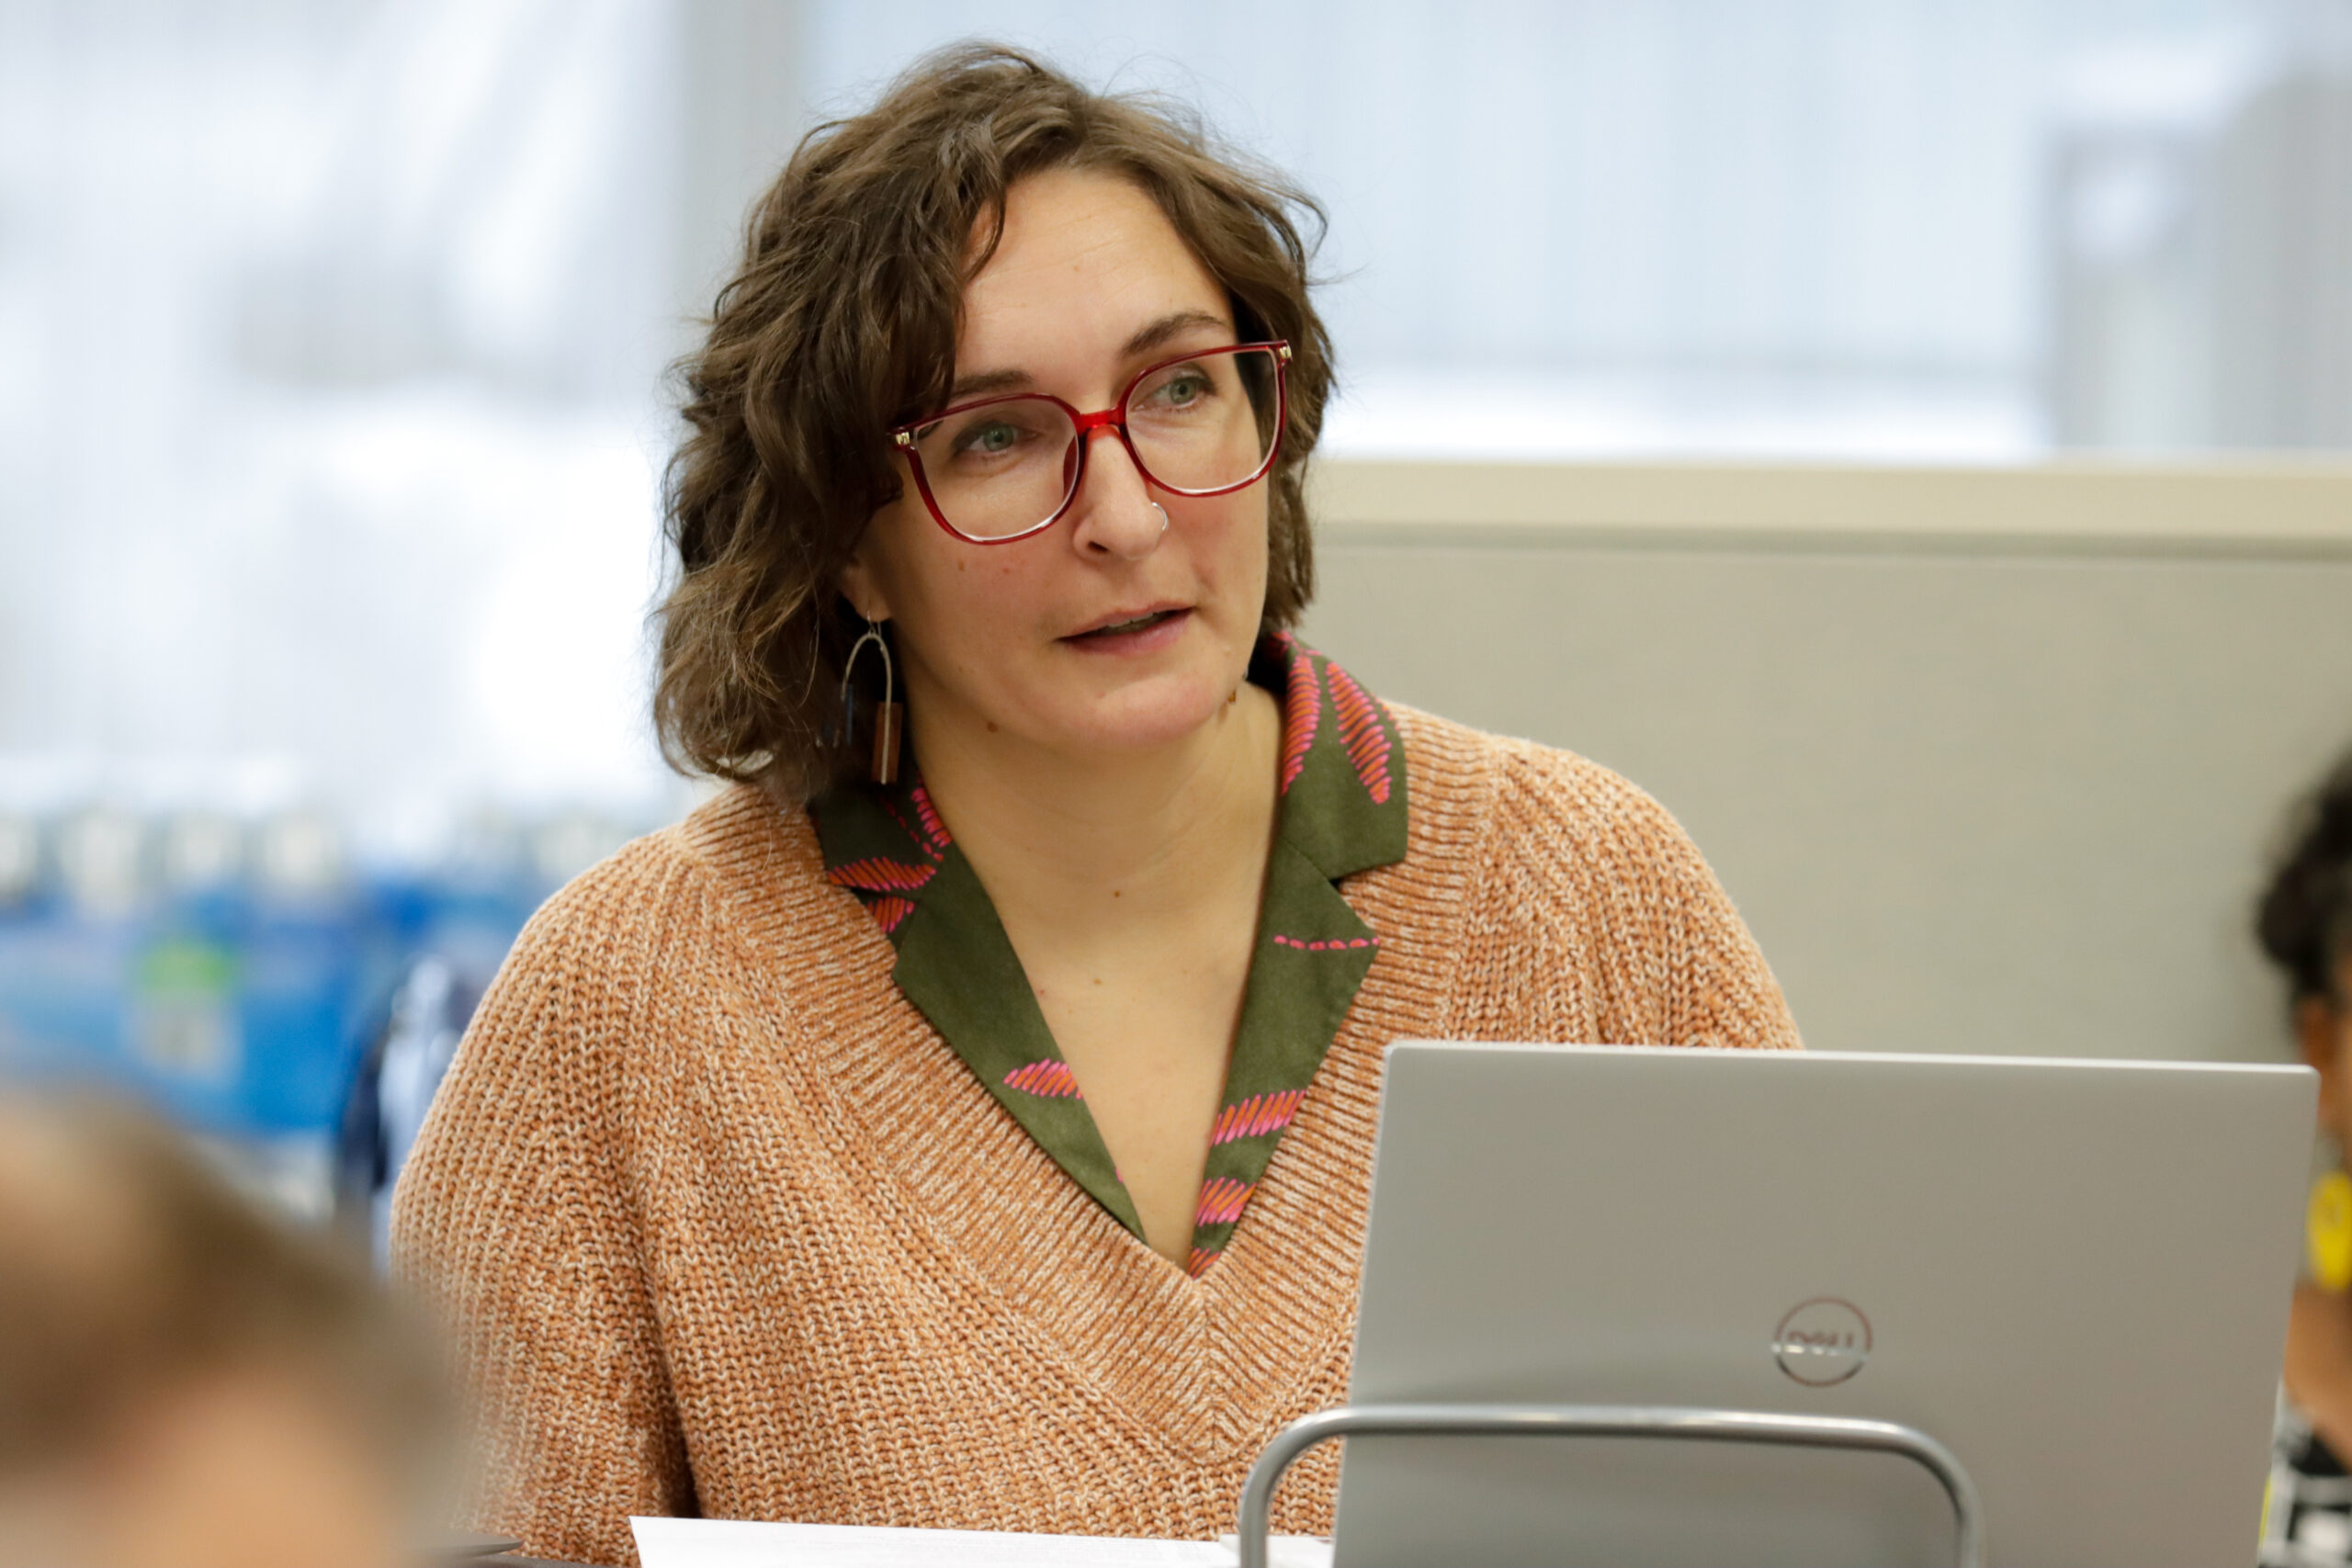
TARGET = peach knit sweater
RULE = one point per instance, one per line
(727, 1228)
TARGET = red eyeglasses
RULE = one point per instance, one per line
(1002, 469)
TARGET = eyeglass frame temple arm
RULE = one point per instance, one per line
(1671, 1422)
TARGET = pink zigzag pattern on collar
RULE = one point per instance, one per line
(912, 837)
(1222, 1200)
(1256, 1116)
(933, 828)
(1302, 714)
(1361, 732)
(1320, 945)
(878, 874)
(1048, 1080)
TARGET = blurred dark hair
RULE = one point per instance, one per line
(2304, 920)
(840, 322)
(129, 1268)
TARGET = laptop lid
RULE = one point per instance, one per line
(2075, 1274)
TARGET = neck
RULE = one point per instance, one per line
(1056, 834)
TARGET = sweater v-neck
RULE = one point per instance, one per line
(1341, 809)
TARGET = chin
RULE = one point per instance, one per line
(1143, 715)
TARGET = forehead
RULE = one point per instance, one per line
(1085, 259)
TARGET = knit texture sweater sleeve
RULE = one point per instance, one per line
(516, 1217)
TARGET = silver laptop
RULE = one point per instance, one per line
(2076, 1275)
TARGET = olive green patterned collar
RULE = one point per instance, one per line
(1342, 810)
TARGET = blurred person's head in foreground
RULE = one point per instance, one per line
(2305, 925)
(184, 1380)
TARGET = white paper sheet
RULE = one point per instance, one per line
(730, 1543)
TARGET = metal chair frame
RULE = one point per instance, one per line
(1673, 1422)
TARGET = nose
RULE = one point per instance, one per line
(1114, 514)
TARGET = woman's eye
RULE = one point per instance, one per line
(1183, 390)
(988, 440)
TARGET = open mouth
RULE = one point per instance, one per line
(1129, 627)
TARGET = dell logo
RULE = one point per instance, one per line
(1822, 1341)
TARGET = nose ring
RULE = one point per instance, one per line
(1163, 516)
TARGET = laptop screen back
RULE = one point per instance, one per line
(2075, 1274)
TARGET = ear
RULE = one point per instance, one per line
(2319, 1035)
(859, 585)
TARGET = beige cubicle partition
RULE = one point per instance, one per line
(1991, 759)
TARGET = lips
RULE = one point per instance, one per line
(1122, 628)
(1128, 622)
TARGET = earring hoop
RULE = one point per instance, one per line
(889, 717)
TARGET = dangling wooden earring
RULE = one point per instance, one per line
(889, 716)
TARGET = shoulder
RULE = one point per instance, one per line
(1580, 889)
(1536, 805)
(620, 909)
(612, 927)
(673, 925)
(738, 868)
(613, 987)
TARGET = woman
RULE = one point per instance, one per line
(980, 1135)
(2305, 927)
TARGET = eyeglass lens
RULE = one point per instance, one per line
(1201, 425)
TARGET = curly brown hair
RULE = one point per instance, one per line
(842, 321)
(2304, 918)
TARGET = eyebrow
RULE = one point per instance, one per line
(982, 385)
(1167, 327)
(1157, 334)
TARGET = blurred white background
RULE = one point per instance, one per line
(332, 337)
(331, 401)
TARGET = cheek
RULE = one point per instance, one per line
(956, 600)
(1231, 557)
